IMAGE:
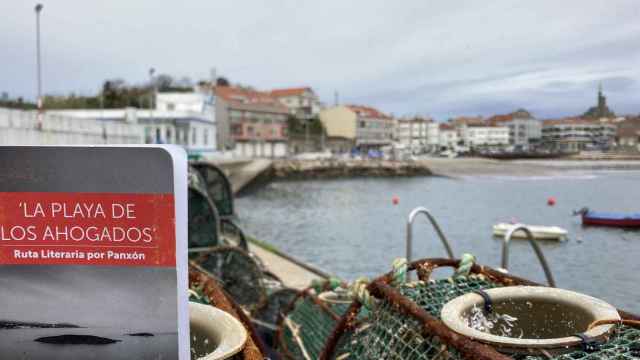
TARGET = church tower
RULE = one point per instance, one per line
(602, 103)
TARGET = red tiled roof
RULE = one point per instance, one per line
(290, 91)
(445, 126)
(368, 111)
(468, 120)
(238, 95)
(499, 119)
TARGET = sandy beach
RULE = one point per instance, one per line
(460, 167)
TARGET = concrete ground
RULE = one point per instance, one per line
(291, 274)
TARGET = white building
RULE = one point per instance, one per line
(480, 136)
(524, 132)
(433, 136)
(194, 132)
(447, 137)
(193, 102)
(413, 132)
(302, 102)
(576, 134)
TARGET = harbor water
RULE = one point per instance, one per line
(351, 228)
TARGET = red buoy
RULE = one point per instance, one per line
(395, 200)
(551, 201)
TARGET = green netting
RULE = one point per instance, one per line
(392, 335)
(203, 217)
(315, 326)
(624, 345)
(217, 186)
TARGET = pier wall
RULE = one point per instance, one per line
(331, 168)
(19, 127)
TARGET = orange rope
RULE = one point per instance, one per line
(634, 323)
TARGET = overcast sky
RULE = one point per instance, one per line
(441, 58)
(128, 298)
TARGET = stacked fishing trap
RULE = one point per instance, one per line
(218, 249)
(390, 318)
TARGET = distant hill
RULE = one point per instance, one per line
(10, 324)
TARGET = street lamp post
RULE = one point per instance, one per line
(151, 96)
(153, 87)
(38, 9)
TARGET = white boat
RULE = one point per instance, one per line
(539, 232)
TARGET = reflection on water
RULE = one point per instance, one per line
(351, 228)
(19, 344)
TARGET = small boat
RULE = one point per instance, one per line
(615, 219)
(539, 232)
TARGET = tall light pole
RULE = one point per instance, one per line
(38, 9)
(153, 87)
(153, 92)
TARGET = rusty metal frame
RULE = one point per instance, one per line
(431, 326)
(254, 347)
(303, 294)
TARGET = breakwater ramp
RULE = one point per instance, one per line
(244, 174)
(249, 173)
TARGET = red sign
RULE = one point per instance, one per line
(87, 229)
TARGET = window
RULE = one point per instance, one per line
(363, 124)
(171, 106)
(194, 135)
(185, 136)
(206, 137)
(168, 135)
(148, 137)
(236, 129)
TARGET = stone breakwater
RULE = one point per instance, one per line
(329, 169)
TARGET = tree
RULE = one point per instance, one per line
(222, 81)
(163, 82)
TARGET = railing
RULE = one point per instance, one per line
(414, 213)
(534, 245)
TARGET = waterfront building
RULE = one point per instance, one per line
(194, 131)
(433, 136)
(447, 137)
(484, 135)
(360, 127)
(576, 134)
(251, 123)
(525, 132)
(628, 134)
(302, 102)
(413, 132)
(185, 119)
(194, 102)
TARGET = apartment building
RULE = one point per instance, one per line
(251, 123)
(576, 134)
(355, 126)
(475, 136)
(447, 136)
(302, 102)
(413, 132)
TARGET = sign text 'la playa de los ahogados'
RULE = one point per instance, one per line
(86, 228)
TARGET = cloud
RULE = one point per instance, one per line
(437, 58)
